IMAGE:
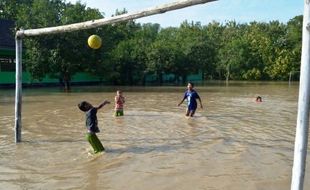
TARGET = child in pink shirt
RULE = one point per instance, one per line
(119, 103)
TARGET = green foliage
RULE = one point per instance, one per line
(10, 8)
(60, 55)
(130, 51)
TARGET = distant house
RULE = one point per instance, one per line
(7, 46)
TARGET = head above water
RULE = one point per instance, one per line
(119, 92)
(190, 85)
(259, 99)
(84, 106)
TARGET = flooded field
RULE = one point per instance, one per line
(233, 143)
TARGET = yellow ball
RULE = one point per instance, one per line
(94, 41)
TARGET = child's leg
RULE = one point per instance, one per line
(99, 146)
(90, 139)
(187, 112)
(121, 112)
(192, 112)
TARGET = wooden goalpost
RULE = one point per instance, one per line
(20, 34)
(301, 139)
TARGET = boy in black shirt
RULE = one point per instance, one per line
(92, 124)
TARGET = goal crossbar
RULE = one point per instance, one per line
(119, 18)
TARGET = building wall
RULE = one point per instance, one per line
(7, 78)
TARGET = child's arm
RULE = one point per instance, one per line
(102, 104)
(184, 97)
(181, 101)
(123, 99)
(200, 102)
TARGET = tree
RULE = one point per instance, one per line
(52, 54)
(130, 55)
(189, 38)
(162, 53)
(130, 51)
(210, 51)
(10, 8)
(229, 55)
(294, 38)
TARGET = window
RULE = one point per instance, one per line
(7, 64)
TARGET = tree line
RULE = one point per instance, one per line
(131, 51)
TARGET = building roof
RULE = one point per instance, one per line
(7, 40)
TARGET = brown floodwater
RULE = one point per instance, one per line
(233, 143)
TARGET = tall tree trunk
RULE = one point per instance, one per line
(160, 78)
(184, 79)
(176, 79)
(227, 73)
(144, 78)
(66, 81)
(130, 77)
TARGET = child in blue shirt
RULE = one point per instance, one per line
(191, 95)
(92, 124)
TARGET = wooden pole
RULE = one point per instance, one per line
(301, 138)
(18, 89)
(80, 26)
(100, 22)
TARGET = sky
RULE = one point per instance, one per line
(241, 11)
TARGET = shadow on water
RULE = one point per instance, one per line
(10, 102)
(143, 115)
(225, 116)
(145, 149)
(51, 141)
(6, 103)
(145, 140)
(170, 144)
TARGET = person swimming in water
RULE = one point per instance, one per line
(259, 99)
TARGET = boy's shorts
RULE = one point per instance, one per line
(191, 108)
(94, 142)
(119, 113)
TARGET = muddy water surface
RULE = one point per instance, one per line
(233, 143)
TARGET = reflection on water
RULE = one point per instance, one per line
(233, 143)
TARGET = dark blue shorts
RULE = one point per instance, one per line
(192, 108)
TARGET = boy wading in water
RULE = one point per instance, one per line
(119, 103)
(92, 124)
(191, 95)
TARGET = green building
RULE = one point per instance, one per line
(7, 62)
(7, 65)
(7, 52)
